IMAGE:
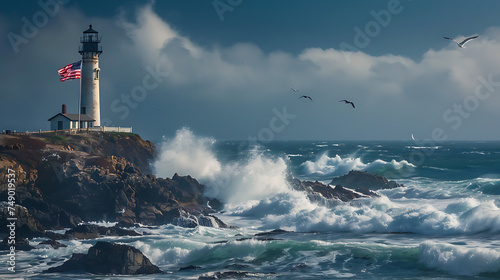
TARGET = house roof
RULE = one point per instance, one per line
(74, 117)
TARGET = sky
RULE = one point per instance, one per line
(225, 68)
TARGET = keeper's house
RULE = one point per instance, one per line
(64, 120)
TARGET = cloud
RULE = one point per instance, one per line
(150, 33)
(245, 65)
(231, 91)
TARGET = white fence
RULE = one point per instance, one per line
(74, 131)
(111, 129)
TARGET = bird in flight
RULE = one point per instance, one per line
(348, 102)
(294, 89)
(462, 44)
(305, 96)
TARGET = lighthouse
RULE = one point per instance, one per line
(87, 70)
(90, 51)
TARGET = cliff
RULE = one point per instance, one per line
(63, 180)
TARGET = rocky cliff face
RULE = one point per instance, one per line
(64, 180)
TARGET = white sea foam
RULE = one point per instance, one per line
(459, 260)
(437, 189)
(294, 211)
(164, 252)
(256, 187)
(336, 166)
(424, 147)
(294, 155)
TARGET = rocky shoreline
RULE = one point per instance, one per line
(63, 181)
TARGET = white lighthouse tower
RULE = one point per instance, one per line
(90, 51)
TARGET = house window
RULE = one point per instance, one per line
(83, 110)
(59, 125)
(73, 124)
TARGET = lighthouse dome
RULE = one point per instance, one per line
(90, 30)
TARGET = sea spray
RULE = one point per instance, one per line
(459, 260)
(252, 179)
(187, 154)
(249, 179)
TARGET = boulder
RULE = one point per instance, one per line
(188, 220)
(20, 243)
(357, 179)
(321, 193)
(88, 231)
(109, 258)
(54, 244)
(26, 225)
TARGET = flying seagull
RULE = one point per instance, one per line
(294, 89)
(348, 102)
(462, 44)
(305, 96)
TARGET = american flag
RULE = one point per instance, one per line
(70, 71)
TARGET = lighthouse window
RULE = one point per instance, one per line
(97, 70)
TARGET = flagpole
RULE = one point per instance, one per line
(80, 97)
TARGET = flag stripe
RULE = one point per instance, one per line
(70, 71)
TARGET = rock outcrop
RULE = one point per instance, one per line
(328, 195)
(63, 180)
(26, 225)
(361, 179)
(109, 258)
(53, 243)
(355, 184)
(20, 243)
(90, 231)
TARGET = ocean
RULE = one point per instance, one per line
(444, 223)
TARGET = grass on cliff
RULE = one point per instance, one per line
(55, 139)
(76, 140)
(119, 134)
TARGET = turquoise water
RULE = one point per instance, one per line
(444, 223)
